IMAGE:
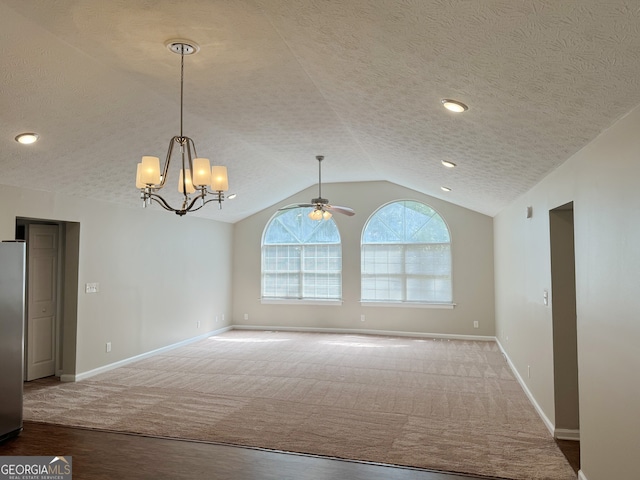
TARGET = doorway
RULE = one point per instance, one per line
(565, 335)
(51, 297)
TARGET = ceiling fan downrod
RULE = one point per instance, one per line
(320, 200)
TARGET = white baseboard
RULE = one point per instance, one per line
(389, 333)
(582, 476)
(550, 426)
(567, 434)
(120, 363)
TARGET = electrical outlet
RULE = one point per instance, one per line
(475, 324)
(91, 287)
(528, 371)
(246, 316)
(216, 318)
(362, 318)
(198, 324)
(108, 347)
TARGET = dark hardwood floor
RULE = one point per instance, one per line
(571, 451)
(105, 455)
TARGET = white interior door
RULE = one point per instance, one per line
(42, 255)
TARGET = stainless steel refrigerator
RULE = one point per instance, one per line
(12, 311)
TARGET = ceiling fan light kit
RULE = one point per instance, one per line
(196, 173)
(322, 209)
(319, 215)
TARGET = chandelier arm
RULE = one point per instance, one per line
(192, 207)
(185, 193)
(218, 197)
(167, 161)
(193, 145)
(160, 201)
(179, 211)
(190, 144)
(184, 180)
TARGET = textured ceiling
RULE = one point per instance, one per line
(279, 81)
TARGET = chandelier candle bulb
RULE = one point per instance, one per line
(186, 181)
(201, 172)
(150, 174)
(219, 179)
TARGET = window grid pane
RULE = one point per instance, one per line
(310, 269)
(409, 260)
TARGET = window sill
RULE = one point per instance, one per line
(446, 306)
(295, 301)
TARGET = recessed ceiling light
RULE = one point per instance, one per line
(454, 105)
(232, 196)
(448, 164)
(27, 138)
(445, 189)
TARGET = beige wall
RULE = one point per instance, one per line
(472, 247)
(602, 181)
(158, 273)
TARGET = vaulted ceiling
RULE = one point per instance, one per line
(279, 81)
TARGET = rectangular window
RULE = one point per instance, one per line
(310, 272)
(406, 273)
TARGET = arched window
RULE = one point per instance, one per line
(406, 255)
(301, 258)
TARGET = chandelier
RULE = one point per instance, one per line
(196, 174)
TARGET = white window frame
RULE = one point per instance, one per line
(403, 275)
(300, 299)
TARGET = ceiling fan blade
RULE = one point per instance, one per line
(297, 205)
(344, 210)
(320, 204)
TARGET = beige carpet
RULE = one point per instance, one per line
(429, 403)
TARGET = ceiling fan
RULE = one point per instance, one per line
(322, 208)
